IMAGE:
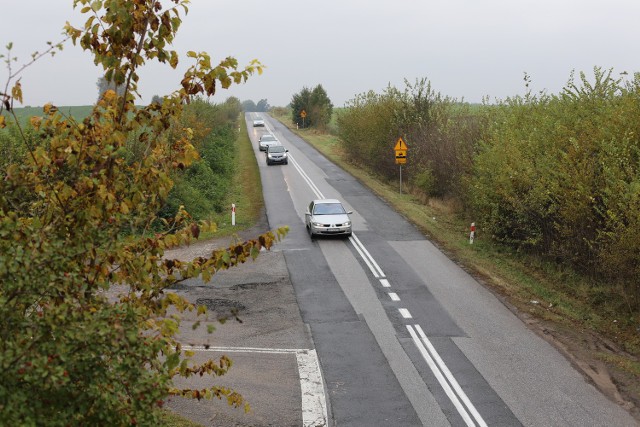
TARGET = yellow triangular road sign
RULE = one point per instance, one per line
(400, 145)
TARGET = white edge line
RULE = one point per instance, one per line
(447, 388)
(451, 378)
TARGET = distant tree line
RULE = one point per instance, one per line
(261, 107)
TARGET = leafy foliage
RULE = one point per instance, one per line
(440, 132)
(560, 175)
(104, 85)
(86, 337)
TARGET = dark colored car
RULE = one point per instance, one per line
(277, 154)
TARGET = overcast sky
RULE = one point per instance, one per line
(466, 48)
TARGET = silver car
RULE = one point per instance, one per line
(327, 217)
(266, 140)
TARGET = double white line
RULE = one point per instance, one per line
(446, 379)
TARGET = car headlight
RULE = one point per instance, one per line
(316, 224)
(347, 223)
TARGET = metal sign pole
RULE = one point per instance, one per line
(400, 179)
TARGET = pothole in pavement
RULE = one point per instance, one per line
(221, 305)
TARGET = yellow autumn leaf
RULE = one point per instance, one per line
(109, 95)
(49, 108)
(2, 122)
(16, 92)
(35, 122)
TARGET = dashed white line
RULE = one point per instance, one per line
(394, 296)
(385, 283)
(405, 313)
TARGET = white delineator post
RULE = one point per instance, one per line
(472, 233)
(233, 214)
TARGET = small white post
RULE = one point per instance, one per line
(233, 214)
(472, 233)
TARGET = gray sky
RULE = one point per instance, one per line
(466, 48)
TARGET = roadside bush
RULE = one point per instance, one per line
(440, 132)
(558, 175)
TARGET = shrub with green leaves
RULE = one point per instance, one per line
(559, 175)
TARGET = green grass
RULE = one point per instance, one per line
(77, 112)
(170, 419)
(245, 192)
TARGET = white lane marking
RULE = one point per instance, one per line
(445, 385)
(385, 283)
(394, 296)
(452, 380)
(354, 239)
(304, 175)
(405, 313)
(314, 408)
(363, 256)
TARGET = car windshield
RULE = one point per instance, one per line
(328, 209)
(268, 138)
(276, 149)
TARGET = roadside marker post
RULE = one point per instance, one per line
(233, 214)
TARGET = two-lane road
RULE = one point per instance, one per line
(403, 335)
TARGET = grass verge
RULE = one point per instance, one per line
(245, 192)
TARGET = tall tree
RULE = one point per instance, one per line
(249, 106)
(85, 338)
(311, 107)
(262, 105)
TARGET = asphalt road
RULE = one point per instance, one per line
(377, 330)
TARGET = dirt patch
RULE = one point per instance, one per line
(585, 350)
